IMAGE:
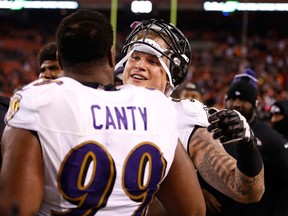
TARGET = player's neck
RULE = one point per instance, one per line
(95, 85)
(101, 75)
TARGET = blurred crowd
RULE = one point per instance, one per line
(217, 57)
(220, 58)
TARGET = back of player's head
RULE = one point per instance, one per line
(47, 53)
(84, 36)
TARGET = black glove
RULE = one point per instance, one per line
(229, 126)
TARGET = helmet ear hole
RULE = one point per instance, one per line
(176, 61)
(178, 71)
(177, 75)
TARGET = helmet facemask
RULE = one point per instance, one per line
(178, 50)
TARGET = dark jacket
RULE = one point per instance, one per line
(282, 126)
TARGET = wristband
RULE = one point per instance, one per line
(249, 159)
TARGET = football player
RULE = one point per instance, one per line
(100, 151)
(157, 55)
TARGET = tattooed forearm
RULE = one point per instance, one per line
(212, 157)
(219, 169)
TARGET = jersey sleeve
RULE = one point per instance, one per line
(25, 105)
(190, 113)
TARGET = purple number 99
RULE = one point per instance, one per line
(87, 176)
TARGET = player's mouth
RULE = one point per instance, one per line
(138, 77)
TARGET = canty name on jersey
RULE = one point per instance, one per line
(121, 118)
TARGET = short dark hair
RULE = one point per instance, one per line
(47, 52)
(84, 36)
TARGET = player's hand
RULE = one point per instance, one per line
(229, 126)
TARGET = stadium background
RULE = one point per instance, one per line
(222, 45)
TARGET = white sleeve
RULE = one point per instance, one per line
(25, 104)
(190, 113)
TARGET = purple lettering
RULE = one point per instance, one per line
(109, 119)
(93, 107)
(121, 118)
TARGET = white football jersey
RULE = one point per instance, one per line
(189, 114)
(104, 152)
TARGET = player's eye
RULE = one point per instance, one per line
(54, 67)
(135, 56)
(153, 61)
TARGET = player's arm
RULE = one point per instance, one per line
(22, 175)
(180, 192)
(220, 170)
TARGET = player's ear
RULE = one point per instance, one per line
(59, 60)
(111, 57)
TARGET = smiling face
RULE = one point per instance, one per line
(143, 69)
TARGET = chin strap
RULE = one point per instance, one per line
(123, 60)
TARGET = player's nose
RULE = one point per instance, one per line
(141, 64)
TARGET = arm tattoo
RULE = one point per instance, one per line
(219, 169)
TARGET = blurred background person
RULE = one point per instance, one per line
(279, 117)
(47, 62)
(193, 91)
(196, 91)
